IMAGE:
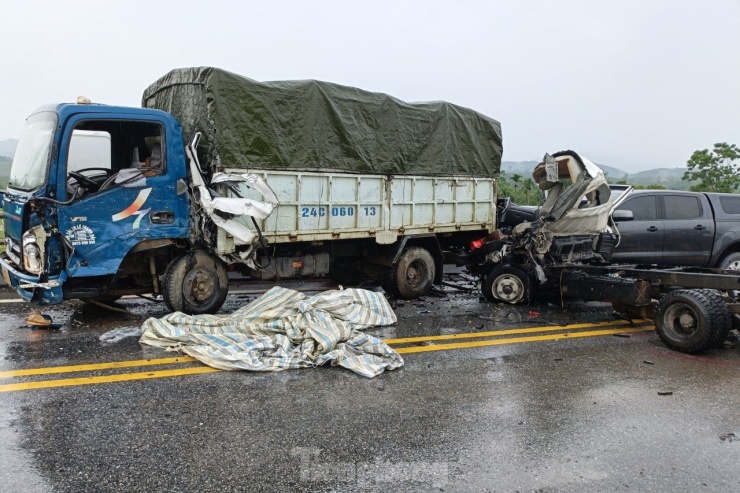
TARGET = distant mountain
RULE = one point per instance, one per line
(613, 174)
(523, 168)
(7, 147)
(669, 177)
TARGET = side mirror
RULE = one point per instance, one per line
(622, 215)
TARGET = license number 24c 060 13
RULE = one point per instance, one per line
(341, 211)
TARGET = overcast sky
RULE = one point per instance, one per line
(631, 84)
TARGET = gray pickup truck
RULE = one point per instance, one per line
(675, 228)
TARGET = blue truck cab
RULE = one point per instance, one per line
(97, 206)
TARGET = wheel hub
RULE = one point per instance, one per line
(199, 286)
(686, 321)
(416, 273)
(682, 320)
(509, 288)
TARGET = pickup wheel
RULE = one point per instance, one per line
(413, 274)
(508, 284)
(690, 320)
(195, 283)
(730, 262)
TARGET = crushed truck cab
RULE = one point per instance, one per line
(90, 187)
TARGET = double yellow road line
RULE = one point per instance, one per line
(405, 345)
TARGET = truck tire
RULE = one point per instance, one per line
(730, 262)
(413, 274)
(195, 283)
(688, 320)
(724, 325)
(508, 284)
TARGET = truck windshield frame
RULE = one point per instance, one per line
(30, 166)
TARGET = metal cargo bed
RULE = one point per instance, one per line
(319, 206)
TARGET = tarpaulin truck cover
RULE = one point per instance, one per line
(313, 125)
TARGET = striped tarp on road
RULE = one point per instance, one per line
(285, 329)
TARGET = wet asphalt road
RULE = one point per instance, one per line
(598, 413)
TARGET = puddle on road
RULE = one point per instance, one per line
(116, 335)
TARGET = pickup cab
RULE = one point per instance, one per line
(676, 228)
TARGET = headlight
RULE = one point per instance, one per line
(32, 261)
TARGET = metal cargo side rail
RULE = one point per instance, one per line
(323, 206)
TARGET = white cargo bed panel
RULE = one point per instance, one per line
(317, 206)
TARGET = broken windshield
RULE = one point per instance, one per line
(31, 160)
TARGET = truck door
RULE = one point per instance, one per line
(689, 230)
(641, 239)
(115, 192)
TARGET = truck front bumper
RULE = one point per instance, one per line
(30, 288)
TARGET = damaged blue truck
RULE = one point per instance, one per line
(217, 172)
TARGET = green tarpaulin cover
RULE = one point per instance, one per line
(319, 125)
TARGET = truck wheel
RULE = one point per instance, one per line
(508, 284)
(413, 274)
(195, 283)
(730, 262)
(724, 317)
(688, 320)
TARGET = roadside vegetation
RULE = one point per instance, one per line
(523, 191)
(717, 170)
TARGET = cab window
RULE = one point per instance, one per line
(100, 151)
(643, 207)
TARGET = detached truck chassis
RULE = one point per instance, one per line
(567, 248)
(218, 172)
(694, 309)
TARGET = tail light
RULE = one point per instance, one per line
(476, 244)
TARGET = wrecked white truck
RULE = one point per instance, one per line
(568, 247)
(219, 172)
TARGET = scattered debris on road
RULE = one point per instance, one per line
(728, 437)
(38, 319)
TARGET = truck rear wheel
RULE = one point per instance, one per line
(195, 283)
(508, 284)
(724, 317)
(413, 274)
(689, 320)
